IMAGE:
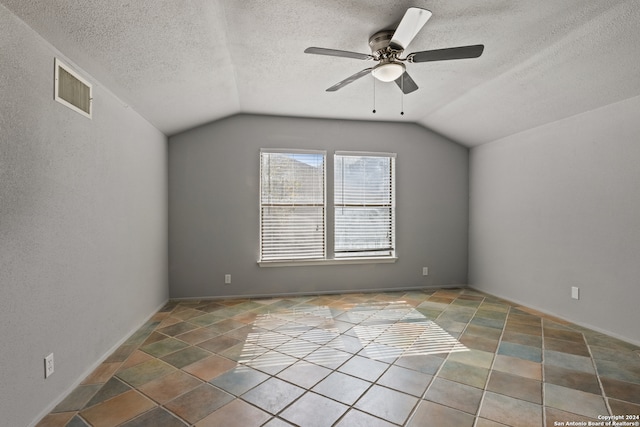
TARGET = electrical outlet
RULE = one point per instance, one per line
(227, 279)
(425, 271)
(48, 365)
(575, 292)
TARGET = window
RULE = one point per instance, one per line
(292, 205)
(364, 203)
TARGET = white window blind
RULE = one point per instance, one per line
(292, 205)
(364, 201)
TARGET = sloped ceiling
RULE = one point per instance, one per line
(184, 63)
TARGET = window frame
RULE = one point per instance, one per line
(391, 204)
(329, 222)
(324, 205)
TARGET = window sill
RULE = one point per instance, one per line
(315, 262)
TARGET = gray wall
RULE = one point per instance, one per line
(83, 227)
(559, 206)
(214, 207)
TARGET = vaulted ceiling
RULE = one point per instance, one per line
(184, 63)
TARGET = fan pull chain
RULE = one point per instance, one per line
(374, 95)
(402, 95)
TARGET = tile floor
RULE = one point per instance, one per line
(438, 357)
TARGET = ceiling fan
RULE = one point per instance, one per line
(388, 45)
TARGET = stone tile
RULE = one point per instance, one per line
(186, 356)
(388, 404)
(76, 421)
(118, 410)
(563, 334)
(210, 367)
(355, 418)
(483, 331)
(515, 386)
(454, 395)
(363, 368)
(523, 339)
(244, 333)
(423, 363)
(429, 413)
(523, 328)
(177, 329)
(157, 417)
(477, 358)
(136, 358)
(168, 387)
(520, 351)
(617, 371)
(219, 343)
(574, 401)
(145, 372)
(601, 340)
(463, 373)
(569, 361)
(111, 388)
(343, 388)
(304, 374)
(225, 326)
(405, 380)
(236, 413)
(56, 420)
(206, 319)
(78, 398)
(571, 347)
(624, 357)
(164, 347)
(297, 348)
(621, 390)
(479, 343)
(497, 324)
(619, 407)
(242, 352)
(199, 402)
(271, 362)
(557, 417)
(313, 410)
(197, 336)
(517, 317)
(168, 321)
(139, 336)
(102, 373)
(187, 314)
(483, 422)
(273, 395)
(510, 411)
(328, 357)
(572, 379)
(239, 380)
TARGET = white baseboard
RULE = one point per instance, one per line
(308, 293)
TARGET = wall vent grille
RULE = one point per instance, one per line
(72, 90)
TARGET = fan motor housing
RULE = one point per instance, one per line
(379, 42)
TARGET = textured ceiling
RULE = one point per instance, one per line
(184, 63)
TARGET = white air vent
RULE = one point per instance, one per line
(72, 90)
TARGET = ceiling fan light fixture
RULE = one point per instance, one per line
(388, 71)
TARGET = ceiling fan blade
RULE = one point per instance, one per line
(349, 80)
(334, 52)
(406, 83)
(412, 22)
(461, 52)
